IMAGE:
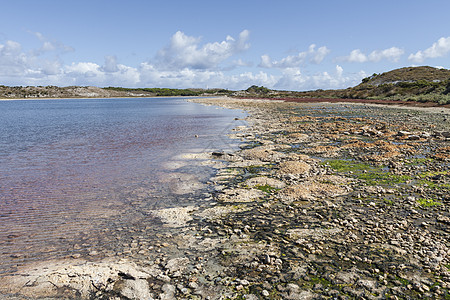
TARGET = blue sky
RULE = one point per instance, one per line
(292, 45)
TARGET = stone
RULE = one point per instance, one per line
(177, 264)
(193, 285)
(293, 167)
(133, 289)
(245, 282)
(175, 217)
(169, 292)
(261, 181)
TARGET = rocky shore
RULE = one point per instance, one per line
(323, 201)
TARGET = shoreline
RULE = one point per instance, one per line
(362, 101)
(390, 103)
(87, 98)
(321, 201)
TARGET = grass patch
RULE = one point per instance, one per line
(257, 169)
(434, 185)
(388, 201)
(427, 202)
(372, 175)
(433, 174)
(267, 188)
(385, 178)
(318, 280)
(418, 161)
(404, 281)
(340, 165)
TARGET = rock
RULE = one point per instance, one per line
(293, 167)
(367, 284)
(315, 187)
(245, 282)
(317, 233)
(240, 195)
(261, 181)
(263, 153)
(177, 264)
(218, 153)
(135, 289)
(169, 292)
(345, 278)
(403, 133)
(193, 285)
(175, 217)
(83, 279)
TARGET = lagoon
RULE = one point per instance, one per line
(81, 176)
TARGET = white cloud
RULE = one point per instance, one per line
(26, 67)
(13, 62)
(266, 62)
(438, 49)
(319, 55)
(241, 63)
(356, 56)
(186, 52)
(294, 61)
(184, 63)
(392, 54)
(294, 79)
(110, 65)
(87, 69)
(87, 73)
(10, 48)
(49, 46)
(339, 71)
(50, 67)
(190, 64)
(151, 75)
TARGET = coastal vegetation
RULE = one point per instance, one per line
(19, 92)
(164, 92)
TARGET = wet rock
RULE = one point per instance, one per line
(135, 289)
(169, 292)
(263, 153)
(177, 264)
(240, 195)
(345, 278)
(264, 181)
(175, 217)
(293, 167)
(312, 189)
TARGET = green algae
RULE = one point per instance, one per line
(267, 188)
(340, 165)
(428, 202)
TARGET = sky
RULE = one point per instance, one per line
(284, 45)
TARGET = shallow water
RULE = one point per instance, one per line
(82, 175)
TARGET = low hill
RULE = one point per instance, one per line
(20, 92)
(408, 74)
(423, 84)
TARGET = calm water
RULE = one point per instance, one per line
(75, 174)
